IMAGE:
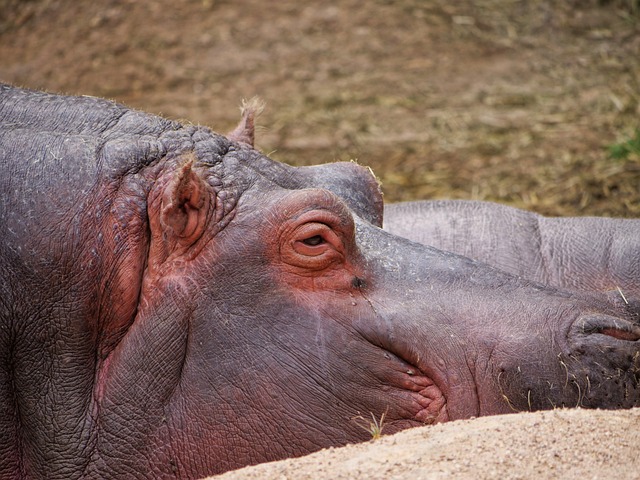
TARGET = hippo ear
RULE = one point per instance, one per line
(185, 202)
(245, 131)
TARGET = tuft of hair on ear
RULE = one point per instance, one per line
(245, 131)
(254, 107)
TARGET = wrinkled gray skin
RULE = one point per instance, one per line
(175, 304)
(588, 254)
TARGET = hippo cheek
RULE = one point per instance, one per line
(311, 379)
(374, 379)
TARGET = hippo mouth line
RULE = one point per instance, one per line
(427, 403)
(430, 398)
(613, 327)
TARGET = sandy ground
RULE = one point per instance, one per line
(561, 444)
(501, 100)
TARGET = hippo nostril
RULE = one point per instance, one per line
(613, 327)
(631, 336)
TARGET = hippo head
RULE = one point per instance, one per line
(256, 311)
(274, 315)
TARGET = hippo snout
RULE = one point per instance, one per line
(604, 364)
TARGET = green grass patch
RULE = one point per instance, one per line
(627, 149)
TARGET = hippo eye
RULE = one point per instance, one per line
(314, 246)
(313, 241)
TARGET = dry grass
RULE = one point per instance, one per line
(374, 426)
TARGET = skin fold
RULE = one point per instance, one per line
(173, 303)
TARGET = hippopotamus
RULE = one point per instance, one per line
(173, 303)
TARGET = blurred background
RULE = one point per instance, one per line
(535, 104)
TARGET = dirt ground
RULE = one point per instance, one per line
(505, 100)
